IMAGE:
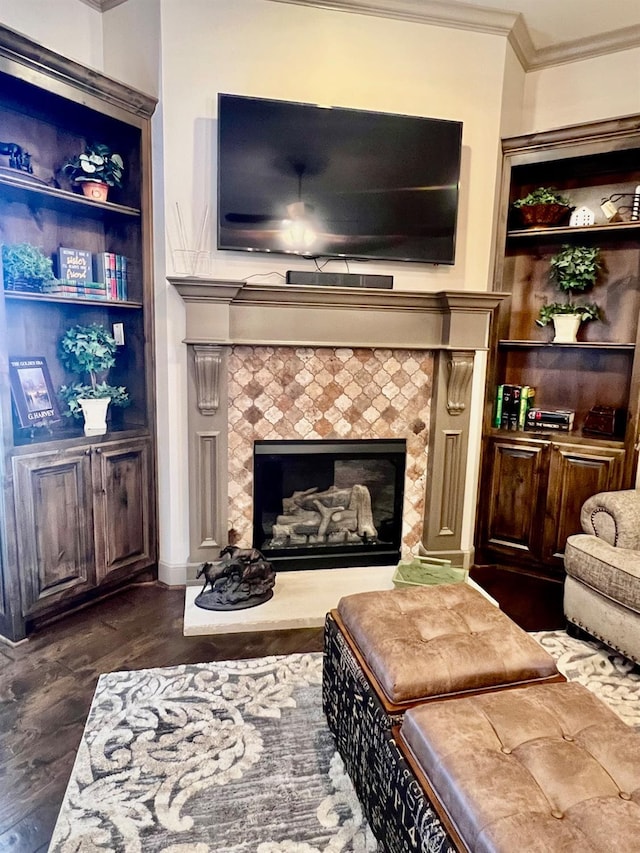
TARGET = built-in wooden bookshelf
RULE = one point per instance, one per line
(78, 513)
(533, 483)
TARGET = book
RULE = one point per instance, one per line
(526, 400)
(548, 418)
(507, 402)
(74, 265)
(548, 425)
(497, 410)
(32, 391)
(105, 273)
(514, 407)
(125, 277)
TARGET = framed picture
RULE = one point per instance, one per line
(32, 391)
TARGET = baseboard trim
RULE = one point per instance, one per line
(172, 574)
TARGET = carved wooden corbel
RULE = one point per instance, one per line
(459, 373)
(208, 358)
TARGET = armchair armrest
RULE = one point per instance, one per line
(614, 517)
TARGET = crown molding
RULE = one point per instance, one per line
(586, 48)
(434, 12)
(103, 5)
(440, 13)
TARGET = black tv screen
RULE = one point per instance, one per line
(333, 182)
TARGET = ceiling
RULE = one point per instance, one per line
(542, 32)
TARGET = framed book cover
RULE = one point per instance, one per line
(32, 391)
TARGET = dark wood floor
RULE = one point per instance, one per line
(47, 682)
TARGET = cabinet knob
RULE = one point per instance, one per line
(98, 450)
(87, 452)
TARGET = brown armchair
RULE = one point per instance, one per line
(602, 586)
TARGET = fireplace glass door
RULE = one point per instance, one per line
(328, 503)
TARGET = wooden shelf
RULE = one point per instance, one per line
(558, 437)
(16, 296)
(32, 192)
(534, 233)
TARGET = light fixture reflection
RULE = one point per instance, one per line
(299, 231)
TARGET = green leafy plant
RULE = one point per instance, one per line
(586, 312)
(543, 195)
(89, 350)
(573, 269)
(97, 163)
(26, 267)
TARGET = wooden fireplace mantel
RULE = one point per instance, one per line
(454, 325)
(228, 312)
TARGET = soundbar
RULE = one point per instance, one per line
(339, 279)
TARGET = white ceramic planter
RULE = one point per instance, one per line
(95, 414)
(566, 328)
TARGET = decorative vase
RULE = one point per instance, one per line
(566, 328)
(95, 414)
(97, 190)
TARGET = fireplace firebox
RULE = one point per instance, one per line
(324, 504)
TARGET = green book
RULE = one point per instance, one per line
(497, 412)
(526, 400)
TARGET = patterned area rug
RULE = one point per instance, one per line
(236, 757)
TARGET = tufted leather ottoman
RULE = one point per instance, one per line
(386, 651)
(541, 768)
(418, 644)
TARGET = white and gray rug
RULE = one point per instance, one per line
(236, 757)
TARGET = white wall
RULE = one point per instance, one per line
(131, 44)
(600, 88)
(306, 54)
(66, 26)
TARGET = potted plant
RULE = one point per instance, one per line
(543, 206)
(90, 350)
(26, 268)
(97, 169)
(573, 269)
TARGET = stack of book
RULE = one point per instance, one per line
(103, 276)
(557, 419)
(511, 406)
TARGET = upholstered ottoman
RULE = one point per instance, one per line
(388, 651)
(540, 768)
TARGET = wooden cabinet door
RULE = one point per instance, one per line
(575, 473)
(54, 524)
(123, 513)
(515, 494)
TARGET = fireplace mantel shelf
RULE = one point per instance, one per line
(238, 312)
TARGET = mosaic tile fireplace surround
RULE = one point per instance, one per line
(327, 393)
(286, 362)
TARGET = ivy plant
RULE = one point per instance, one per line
(89, 350)
(25, 264)
(573, 269)
(543, 195)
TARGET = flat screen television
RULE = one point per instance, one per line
(330, 182)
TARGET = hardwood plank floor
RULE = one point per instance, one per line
(47, 682)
